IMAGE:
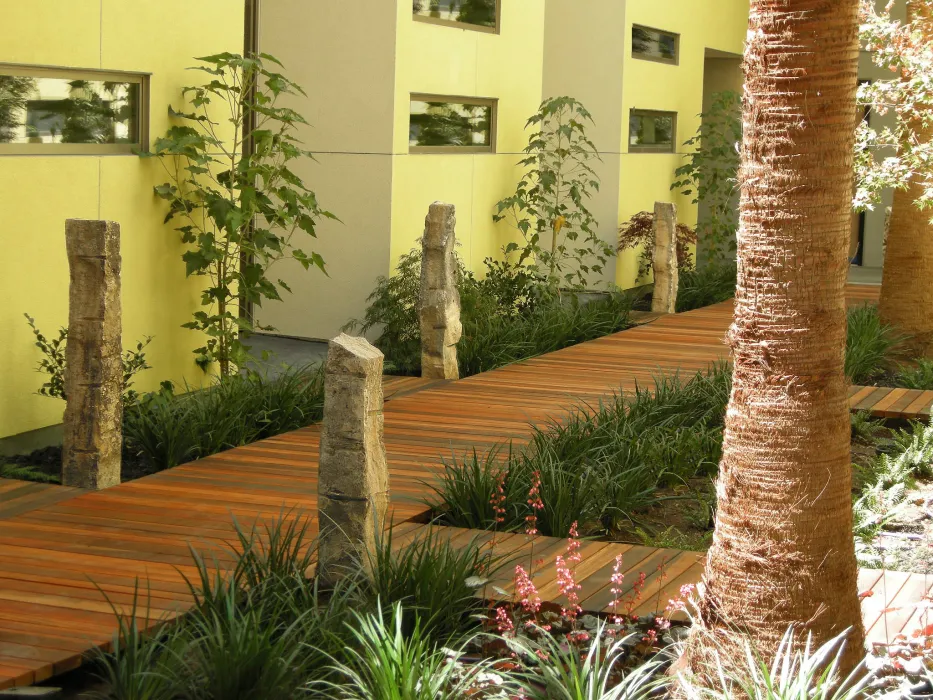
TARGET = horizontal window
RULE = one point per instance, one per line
(651, 132)
(466, 14)
(451, 125)
(655, 44)
(63, 111)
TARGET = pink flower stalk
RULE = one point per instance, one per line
(527, 592)
(680, 601)
(616, 589)
(632, 602)
(535, 503)
(566, 576)
(498, 498)
(504, 623)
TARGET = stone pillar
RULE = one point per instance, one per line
(93, 419)
(353, 479)
(440, 300)
(664, 299)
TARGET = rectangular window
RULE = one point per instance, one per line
(655, 45)
(47, 111)
(482, 15)
(451, 125)
(651, 132)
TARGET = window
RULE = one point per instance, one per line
(61, 111)
(482, 15)
(651, 132)
(655, 45)
(451, 125)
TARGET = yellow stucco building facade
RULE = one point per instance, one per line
(368, 65)
(44, 182)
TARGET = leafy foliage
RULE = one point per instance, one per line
(508, 316)
(433, 580)
(598, 467)
(549, 207)
(170, 428)
(638, 232)
(899, 155)
(706, 285)
(710, 174)
(917, 375)
(53, 363)
(239, 209)
(871, 345)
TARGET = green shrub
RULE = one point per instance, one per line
(871, 346)
(918, 375)
(706, 285)
(170, 428)
(434, 580)
(389, 662)
(509, 316)
(597, 466)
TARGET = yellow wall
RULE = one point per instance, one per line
(719, 25)
(446, 60)
(37, 193)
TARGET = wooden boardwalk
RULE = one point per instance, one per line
(22, 496)
(56, 560)
(886, 402)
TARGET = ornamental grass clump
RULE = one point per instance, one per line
(598, 466)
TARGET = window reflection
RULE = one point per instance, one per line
(654, 44)
(450, 124)
(651, 131)
(479, 12)
(46, 110)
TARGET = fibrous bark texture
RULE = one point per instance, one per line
(907, 281)
(439, 311)
(664, 297)
(93, 421)
(783, 551)
(353, 481)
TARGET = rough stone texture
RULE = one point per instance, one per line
(440, 300)
(664, 299)
(353, 481)
(93, 430)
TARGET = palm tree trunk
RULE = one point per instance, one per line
(907, 279)
(783, 551)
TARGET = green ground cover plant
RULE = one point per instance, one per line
(508, 316)
(599, 466)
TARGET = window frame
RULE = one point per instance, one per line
(82, 149)
(492, 102)
(653, 148)
(438, 21)
(657, 59)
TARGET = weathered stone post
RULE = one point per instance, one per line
(93, 366)
(440, 300)
(353, 479)
(664, 299)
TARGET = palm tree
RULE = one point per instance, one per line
(783, 551)
(907, 279)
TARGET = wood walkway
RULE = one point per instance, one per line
(21, 496)
(56, 560)
(886, 402)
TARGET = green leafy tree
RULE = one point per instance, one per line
(549, 207)
(481, 12)
(14, 93)
(710, 175)
(240, 210)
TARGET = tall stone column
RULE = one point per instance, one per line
(353, 478)
(93, 366)
(664, 299)
(440, 300)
